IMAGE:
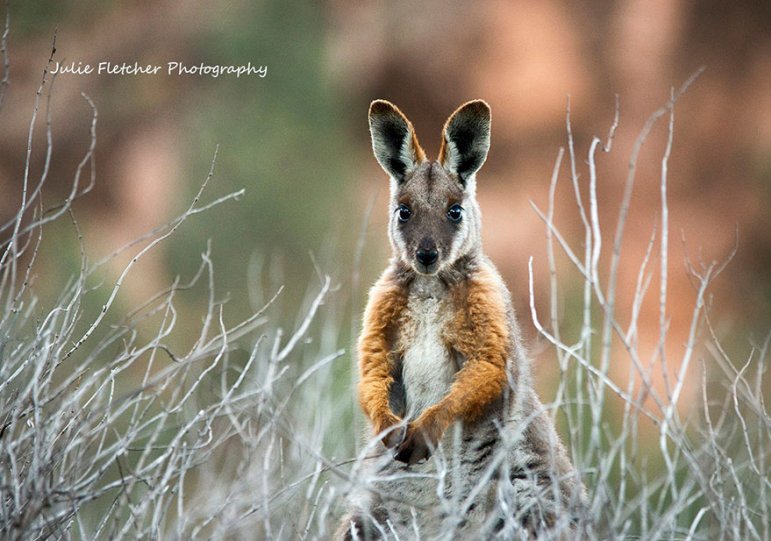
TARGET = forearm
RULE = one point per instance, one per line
(375, 385)
(375, 356)
(478, 385)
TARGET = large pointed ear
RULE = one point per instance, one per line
(466, 140)
(394, 141)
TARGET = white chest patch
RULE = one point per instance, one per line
(428, 366)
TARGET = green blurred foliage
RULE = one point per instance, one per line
(281, 138)
(39, 17)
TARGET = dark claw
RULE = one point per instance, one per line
(413, 450)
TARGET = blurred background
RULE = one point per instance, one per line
(297, 141)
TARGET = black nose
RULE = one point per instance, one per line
(427, 257)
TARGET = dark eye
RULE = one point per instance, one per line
(455, 213)
(404, 213)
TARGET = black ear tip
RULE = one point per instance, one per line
(381, 107)
(478, 108)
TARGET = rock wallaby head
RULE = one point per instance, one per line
(435, 218)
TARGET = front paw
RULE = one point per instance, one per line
(422, 436)
(415, 448)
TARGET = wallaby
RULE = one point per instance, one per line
(467, 451)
